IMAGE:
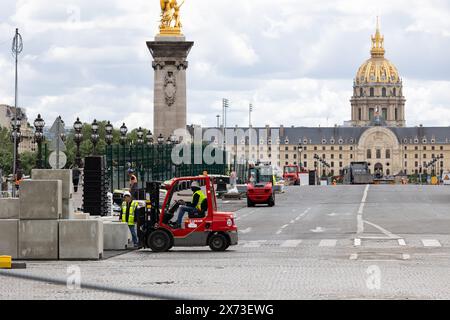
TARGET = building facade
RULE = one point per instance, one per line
(376, 134)
(27, 143)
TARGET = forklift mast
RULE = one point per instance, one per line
(153, 205)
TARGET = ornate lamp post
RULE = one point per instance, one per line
(16, 137)
(94, 135)
(78, 138)
(109, 133)
(123, 134)
(39, 125)
(300, 151)
(149, 138)
(140, 136)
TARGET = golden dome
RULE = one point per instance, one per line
(377, 69)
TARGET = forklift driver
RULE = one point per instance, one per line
(197, 207)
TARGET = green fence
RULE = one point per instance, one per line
(154, 163)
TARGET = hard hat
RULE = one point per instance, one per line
(195, 184)
(126, 194)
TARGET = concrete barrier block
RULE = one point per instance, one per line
(80, 239)
(64, 175)
(40, 200)
(9, 208)
(81, 216)
(38, 240)
(115, 235)
(9, 238)
(67, 209)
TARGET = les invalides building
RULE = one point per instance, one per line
(377, 132)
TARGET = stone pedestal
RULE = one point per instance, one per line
(169, 54)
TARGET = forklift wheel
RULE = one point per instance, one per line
(218, 242)
(159, 241)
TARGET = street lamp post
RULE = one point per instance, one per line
(160, 160)
(78, 139)
(109, 138)
(17, 48)
(94, 135)
(39, 125)
(149, 138)
(16, 137)
(300, 150)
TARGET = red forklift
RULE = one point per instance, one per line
(291, 174)
(212, 228)
(260, 186)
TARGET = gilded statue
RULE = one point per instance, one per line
(170, 17)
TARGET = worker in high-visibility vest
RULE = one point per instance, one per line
(197, 208)
(129, 215)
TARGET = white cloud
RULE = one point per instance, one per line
(293, 59)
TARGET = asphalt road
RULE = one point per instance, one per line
(344, 242)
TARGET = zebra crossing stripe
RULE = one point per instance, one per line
(291, 243)
(328, 243)
(402, 242)
(431, 243)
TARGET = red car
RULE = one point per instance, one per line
(260, 186)
(215, 229)
(292, 174)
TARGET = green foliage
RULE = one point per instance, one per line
(6, 151)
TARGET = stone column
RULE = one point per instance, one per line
(170, 64)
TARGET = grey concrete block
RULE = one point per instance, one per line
(38, 240)
(80, 216)
(9, 238)
(67, 209)
(40, 199)
(80, 239)
(115, 235)
(64, 175)
(9, 208)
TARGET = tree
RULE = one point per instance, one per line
(6, 151)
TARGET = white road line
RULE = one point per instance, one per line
(318, 230)
(359, 218)
(402, 242)
(255, 244)
(291, 243)
(431, 243)
(285, 226)
(406, 256)
(292, 222)
(384, 231)
(328, 243)
(354, 256)
(357, 243)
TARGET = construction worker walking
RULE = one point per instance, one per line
(129, 214)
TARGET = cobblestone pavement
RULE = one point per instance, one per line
(377, 242)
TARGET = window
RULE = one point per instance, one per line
(425, 156)
(340, 156)
(406, 156)
(286, 156)
(442, 148)
(340, 164)
(369, 154)
(361, 94)
(332, 156)
(385, 115)
(433, 148)
(396, 114)
(378, 153)
(372, 92)
(305, 156)
(424, 148)
(383, 92)
(324, 156)
(340, 148)
(388, 154)
(315, 148)
(332, 148)
(394, 92)
(332, 164)
(371, 113)
(324, 148)
(305, 164)
(359, 114)
(351, 156)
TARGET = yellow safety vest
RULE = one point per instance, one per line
(201, 199)
(133, 207)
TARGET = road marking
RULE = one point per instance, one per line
(279, 232)
(384, 231)
(245, 230)
(292, 222)
(354, 256)
(357, 242)
(402, 242)
(285, 226)
(291, 243)
(431, 243)
(406, 256)
(255, 244)
(318, 230)
(359, 218)
(328, 243)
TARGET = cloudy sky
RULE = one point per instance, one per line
(295, 60)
